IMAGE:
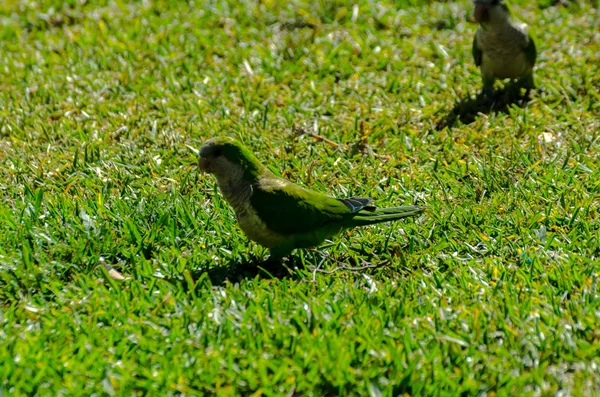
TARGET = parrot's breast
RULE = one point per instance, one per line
(238, 192)
(505, 68)
(256, 230)
(503, 54)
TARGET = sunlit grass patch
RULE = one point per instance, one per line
(102, 104)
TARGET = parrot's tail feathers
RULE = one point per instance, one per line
(356, 204)
(400, 210)
(387, 214)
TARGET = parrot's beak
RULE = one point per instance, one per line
(482, 13)
(204, 165)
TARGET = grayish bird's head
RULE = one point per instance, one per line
(228, 160)
(491, 12)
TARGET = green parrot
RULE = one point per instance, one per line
(502, 48)
(279, 214)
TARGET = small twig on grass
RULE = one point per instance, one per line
(112, 272)
(359, 147)
(301, 131)
(161, 303)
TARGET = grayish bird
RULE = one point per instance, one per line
(502, 48)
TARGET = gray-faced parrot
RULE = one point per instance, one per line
(502, 48)
(279, 214)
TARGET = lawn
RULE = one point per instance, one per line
(103, 106)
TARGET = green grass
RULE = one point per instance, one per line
(494, 290)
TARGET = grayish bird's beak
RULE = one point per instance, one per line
(481, 13)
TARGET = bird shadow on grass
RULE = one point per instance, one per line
(467, 109)
(235, 272)
(291, 268)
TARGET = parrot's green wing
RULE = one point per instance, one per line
(290, 209)
(530, 50)
(477, 53)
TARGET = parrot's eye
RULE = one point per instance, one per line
(218, 152)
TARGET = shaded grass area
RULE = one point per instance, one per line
(102, 105)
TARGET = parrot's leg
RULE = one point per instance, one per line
(527, 83)
(488, 89)
(278, 253)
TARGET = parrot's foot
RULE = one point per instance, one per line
(274, 260)
(487, 99)
(525, 99)
(488, 92)
(276, 267)
(519, 95)
(278, 253)
(527, 95)
(528, 84)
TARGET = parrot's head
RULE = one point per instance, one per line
(491, 11)
(227, 159)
